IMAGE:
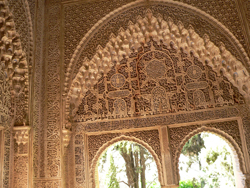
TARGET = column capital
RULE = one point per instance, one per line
(66, 137)
(170, 186)
(21, 134)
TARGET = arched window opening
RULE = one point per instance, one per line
(208, 160)
(127, 164)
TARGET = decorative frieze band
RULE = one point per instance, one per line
(159, 120)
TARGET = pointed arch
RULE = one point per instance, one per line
(171, 34)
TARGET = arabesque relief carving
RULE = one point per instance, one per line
(174, 70)
(14, 91)
(14, 65)
(99, 74)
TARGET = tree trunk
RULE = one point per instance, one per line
(143, 168)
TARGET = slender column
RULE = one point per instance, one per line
(22, 157)
(1, 155)
(66, 135)
(169, 179)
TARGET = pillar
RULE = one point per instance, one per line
(22, 157)
(169, 178)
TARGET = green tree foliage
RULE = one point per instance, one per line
(113, 182)
(192, 148)
(189, 184)
(223, 158)
(217, 164)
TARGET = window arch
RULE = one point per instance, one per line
(94, 163)
(238, 161)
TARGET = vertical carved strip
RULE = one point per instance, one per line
(1, 155)
(21, 156)
(79, 154)
(38, 166)
(52, 137)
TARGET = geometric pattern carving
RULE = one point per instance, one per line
(146, 88)
(180, 83)
(23, 23)
(38, 98)
(53, 121)
(156, 69)
(82, 43)
(13, 89)
(231, 21)
(79, 14)
(122, 58)
(117, 80)
(160, 120)
(14, 65)
(5, 98)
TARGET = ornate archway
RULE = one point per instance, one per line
(136, 39)
(158, 71)
(239, 163)
(94, 163)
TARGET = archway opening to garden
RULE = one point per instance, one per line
(127, 164)
(209, 160)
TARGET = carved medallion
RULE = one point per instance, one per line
(156, 69)
(117, 80)
(194, 72)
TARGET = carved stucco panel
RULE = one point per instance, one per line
(217, 9)
(23, 22)
(94, 71)
(5, 121)
(53, 148)
(112, 25)
(80, 17)
(154, 79)
(38, 120)
(223, 10)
